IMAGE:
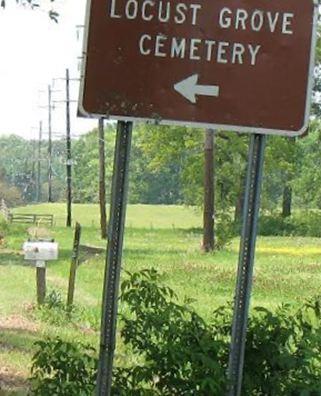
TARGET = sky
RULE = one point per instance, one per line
(35, 52)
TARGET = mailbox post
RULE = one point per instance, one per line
(39, 252)
(41, 281)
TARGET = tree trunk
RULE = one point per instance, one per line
(102, 179)
(286, 201)
(208, 215)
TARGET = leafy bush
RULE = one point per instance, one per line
(283, 352)
(299, 224)
(275, 225)
(175, 352)
(10, 194)
(180, 354)
(63, 368)
(55, 312)
(225, 230)
(53, 309)
(3, 224)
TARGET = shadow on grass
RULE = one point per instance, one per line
(196, 231)
(163, 231)
(13, 259)
(151, 252)
(17, 339)
(84, 255)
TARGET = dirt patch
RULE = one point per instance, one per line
(39, 232)
(12, 382)
(17, 322)
(11, 251)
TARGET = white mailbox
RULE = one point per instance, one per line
(40, 251)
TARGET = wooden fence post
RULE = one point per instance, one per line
(73, 267)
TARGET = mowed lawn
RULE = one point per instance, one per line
(163, 237)
(138, 216)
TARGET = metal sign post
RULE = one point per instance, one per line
(244, 66)
(113, 257)
(246, 263)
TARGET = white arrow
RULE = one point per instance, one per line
(189, 88)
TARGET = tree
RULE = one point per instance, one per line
(307, 182)
(281, 168)
(34, 4)
(208, 213)
(185, 147)
(10, 194)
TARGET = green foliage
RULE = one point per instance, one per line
(167, 167)
(305, 223)
(55, 312)
(54, 300)
(307, 182)
(178, 353)
(280, 169)
(63, 368)
(225, 229)
(4, 226)
(17, 165)
(85, 180)
(10, 194)
(182, 148)
(283, 352)
(275, 224)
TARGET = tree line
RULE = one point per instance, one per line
(167, 167)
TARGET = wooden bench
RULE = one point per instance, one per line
(30, 218)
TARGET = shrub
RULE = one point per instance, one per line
(10, 194)
(3, 224)
(299, 224)
(181, 354)
(225, 230)
(55, 312)
(53, 309)
(63, 368)
(275, 225)
(283, 351)
(175, 352)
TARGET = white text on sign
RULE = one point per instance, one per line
(196, 49)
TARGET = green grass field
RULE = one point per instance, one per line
(164, 237)
(138, 216)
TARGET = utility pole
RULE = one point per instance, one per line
(69, 160)
(49, 147)
(69, 163)
(32, 183)
(102, 178)
(208, 215)
(38, 183)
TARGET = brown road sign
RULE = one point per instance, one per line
(242, 65)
